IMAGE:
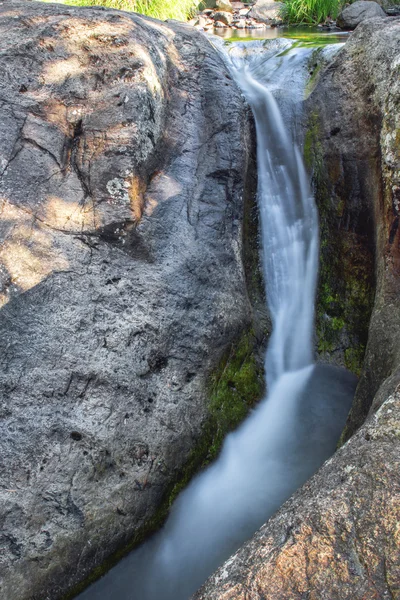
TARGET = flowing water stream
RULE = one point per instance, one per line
(296, 427)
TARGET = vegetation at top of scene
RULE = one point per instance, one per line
(310, 12)
(314, 12)
(158, 9)
(294, 12)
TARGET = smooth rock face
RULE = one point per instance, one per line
(338, 537)
(357, 12)
(122, 151)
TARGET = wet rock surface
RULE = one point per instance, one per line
(355, 112)
(122, 154)
(337, 538)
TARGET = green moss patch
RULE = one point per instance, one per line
(235, 386)
(346, 285)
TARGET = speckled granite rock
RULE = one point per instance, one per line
(123, 152)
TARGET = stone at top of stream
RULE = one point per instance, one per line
(237, 15)
(357, 12)
(224, 17)
(266, 10)
(224, 5)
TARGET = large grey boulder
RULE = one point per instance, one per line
(223, 17)
(357, 12)
(266, 10)
(338, 537)
(123, 153)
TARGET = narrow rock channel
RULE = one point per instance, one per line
(297, 425)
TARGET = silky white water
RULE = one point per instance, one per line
(289, 224)
(296, 427)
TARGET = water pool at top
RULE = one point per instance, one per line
(307, 36)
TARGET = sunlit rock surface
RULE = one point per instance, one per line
(338, 537)
(122, 158)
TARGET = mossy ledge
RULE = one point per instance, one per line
(346, 282)
(235, 386)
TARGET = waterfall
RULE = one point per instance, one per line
(289, 226)
(296, 427)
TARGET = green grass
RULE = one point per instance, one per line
(309, 12)
(159, 9)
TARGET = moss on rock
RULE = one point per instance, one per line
(346, 286)
(235, 386)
